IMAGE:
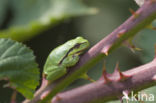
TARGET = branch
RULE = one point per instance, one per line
(142, 18)
(140, 78)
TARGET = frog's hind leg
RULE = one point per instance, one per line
(55, 74)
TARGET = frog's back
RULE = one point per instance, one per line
(58, 54)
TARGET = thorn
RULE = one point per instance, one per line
(43, 95)
(137, 49)
(154, 78)
(105, 50)
(116, 70)
(121, 32)
(85, 76)
(58, 98)
(131, 46)
(91, 80)
(151, 1)
(106, 53)
(122, 76)
(133, 13)
(104, 74)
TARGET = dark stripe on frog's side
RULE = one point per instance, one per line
(75, 46)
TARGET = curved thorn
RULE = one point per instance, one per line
(105, 50)
(106, 53)
(116, 67)
(121, 32)
(152, 1)
(154, 78)
(133, 13)
(121, 75)
(86, 77)
(57, 98)
(91, 80)
(131, 46)
(104, 74)
(44, 95)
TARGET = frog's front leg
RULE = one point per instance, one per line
(56, 73)
(70, 60)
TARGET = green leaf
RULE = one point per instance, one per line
(33, 16)
(18, 66)
(146, 40)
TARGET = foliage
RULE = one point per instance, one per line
(18, 67)
(30, 17)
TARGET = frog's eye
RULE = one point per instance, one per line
(77, 45)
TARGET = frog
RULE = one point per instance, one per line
(63, 57)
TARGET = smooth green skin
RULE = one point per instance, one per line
(64, 56)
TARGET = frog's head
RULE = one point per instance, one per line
(79, 45)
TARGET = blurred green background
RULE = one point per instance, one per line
(111, 13)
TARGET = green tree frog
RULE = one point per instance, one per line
(64, 56)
